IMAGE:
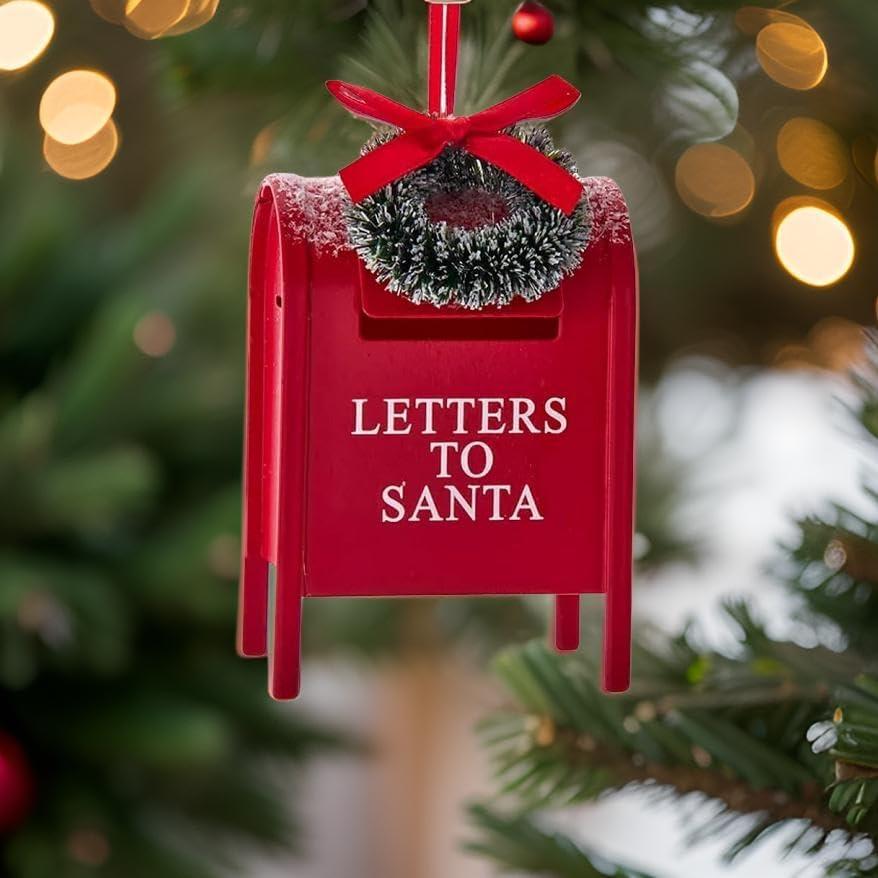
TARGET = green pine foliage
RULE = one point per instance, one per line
(148, 739)
(729, 727)
(768, 735)
(851, 739)
(833, 568)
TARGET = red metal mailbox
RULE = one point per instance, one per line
(397, 449)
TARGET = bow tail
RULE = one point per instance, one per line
(538, 172)
(386, 164)
(545, 100)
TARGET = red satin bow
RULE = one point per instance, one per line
(424, 137)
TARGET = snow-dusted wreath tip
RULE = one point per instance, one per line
(463, 232)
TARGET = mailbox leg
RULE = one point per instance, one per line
(253, 610)
(617, 638)
(285, 654)
(253, 588)
(566, 628)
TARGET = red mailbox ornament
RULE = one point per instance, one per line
(400, 449)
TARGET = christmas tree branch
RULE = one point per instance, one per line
(832, 571)
(732, 728)
(851, 739)
(773, 805)
(727, 727)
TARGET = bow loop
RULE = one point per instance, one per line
(424, 137)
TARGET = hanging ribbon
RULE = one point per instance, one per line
(443, 40)
(424, 137)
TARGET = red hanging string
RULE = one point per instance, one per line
(443, 40)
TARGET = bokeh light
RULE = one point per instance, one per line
(834, 344)
(79, 161)
(89, 847)
(76, 105)
(792, 54)
(812, 153)
(714, 180)
(199, 13)
(224, 555)
(813, 242)
(149, 19)
(838, 344)
(26, 28)
(262, 144)
(154, 334)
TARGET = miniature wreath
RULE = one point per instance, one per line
(462, 232)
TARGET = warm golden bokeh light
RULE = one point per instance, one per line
(149, 19)
(154, 334)
(76, 105)
(838, 344)
(792, 54)
(199, 13)
(110, 10)
(26, 28)
(812, 242)
(262, 143)
(79, 161)
(714, 180)
(224, 555)
(812, 153)
(834, 344)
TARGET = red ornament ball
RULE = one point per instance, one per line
(533, 23)
(16, 785)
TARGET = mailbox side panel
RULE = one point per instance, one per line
(253, 592)
(275, 438)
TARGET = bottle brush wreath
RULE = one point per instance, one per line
(461, 232)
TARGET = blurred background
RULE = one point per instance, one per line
(133, 742)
